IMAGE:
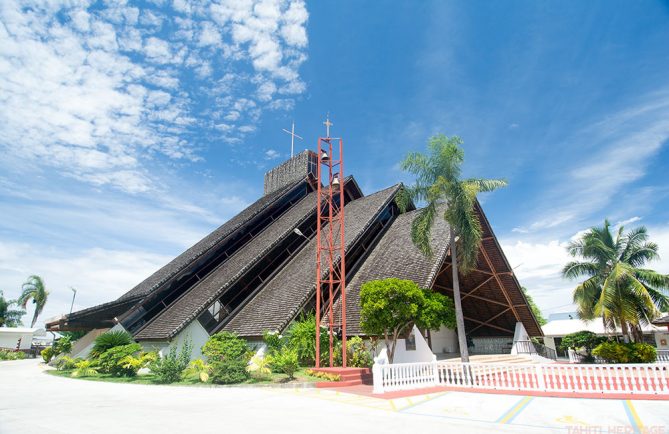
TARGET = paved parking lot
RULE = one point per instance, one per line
(34, 402)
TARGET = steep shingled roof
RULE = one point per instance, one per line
(196, 300)
(282, 297)
(396, 256)
(211, 240)
(119, 306)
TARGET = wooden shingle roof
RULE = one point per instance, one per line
(282, 297)
(204, 245)
(199, 297)
(396, 256)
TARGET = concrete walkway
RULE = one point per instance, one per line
(34, 402)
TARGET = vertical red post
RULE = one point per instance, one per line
(330, 220)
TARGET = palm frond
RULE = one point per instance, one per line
(577, 269)
(421, 229)
(486, 185)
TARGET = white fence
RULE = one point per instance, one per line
(662, 356)
(595, 379)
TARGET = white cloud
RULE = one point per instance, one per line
(625, 143)
(99, 275)
(271, 154)
(74, 99)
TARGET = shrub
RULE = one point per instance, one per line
(198, 368)
(301, 337)
(12, 355)
(135, 363)
(274, 341)
(110, 340)
(110, 361)
(66, 363)
(260, 366)
(63, 345)
(615, 352)
(47, 354)
(84, 368)
(170, 367)
(286, 361)
(228, 356)
(358, 356)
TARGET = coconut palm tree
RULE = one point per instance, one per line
(35, 290)
(617, 288)
(438, 184)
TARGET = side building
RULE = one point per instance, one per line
(257, 271)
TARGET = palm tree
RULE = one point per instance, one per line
(34, 289)
(617, 289)
(9, 317)
(438, 184)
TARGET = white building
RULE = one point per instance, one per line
(18, 337)
(562, 324)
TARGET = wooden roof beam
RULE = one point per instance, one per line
(489, 325)
(501, 285)
(489, 320)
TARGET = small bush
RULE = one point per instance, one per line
(260, 366)
(84, 368)
(286, 361)
(110, 340)
(199, 369)
(12, 355)
(615, 352)
(47, 354)
(228, 356)
(170, 368)
(63, 345)
(273, 341)
(66, 363)
(358, 356)
(110, 361)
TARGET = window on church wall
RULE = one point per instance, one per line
(410, 342)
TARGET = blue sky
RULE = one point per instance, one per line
(129, 131)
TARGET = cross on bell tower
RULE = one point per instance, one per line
(327, 124)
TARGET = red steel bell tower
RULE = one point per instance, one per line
(330, 250)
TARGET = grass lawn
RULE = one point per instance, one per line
(275, 378)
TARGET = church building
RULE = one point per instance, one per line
(257, 272)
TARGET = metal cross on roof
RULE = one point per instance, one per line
(327, 124)
(292, 138)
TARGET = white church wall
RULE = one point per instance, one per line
(444, 340)
(662, 340)
(421, 353)
(197, 335)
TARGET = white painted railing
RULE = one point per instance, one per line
(662, 356)
(595, 379)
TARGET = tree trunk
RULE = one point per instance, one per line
(32, 324)
(623, 327)
(459, 315)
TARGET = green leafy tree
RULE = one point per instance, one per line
(391, 307)
(617, 288)
(301, 335)
(35, 290)
(446, 195)
(9, 317)
(535, 309)
(584, 339)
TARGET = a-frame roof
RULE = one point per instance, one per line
(491, 296)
